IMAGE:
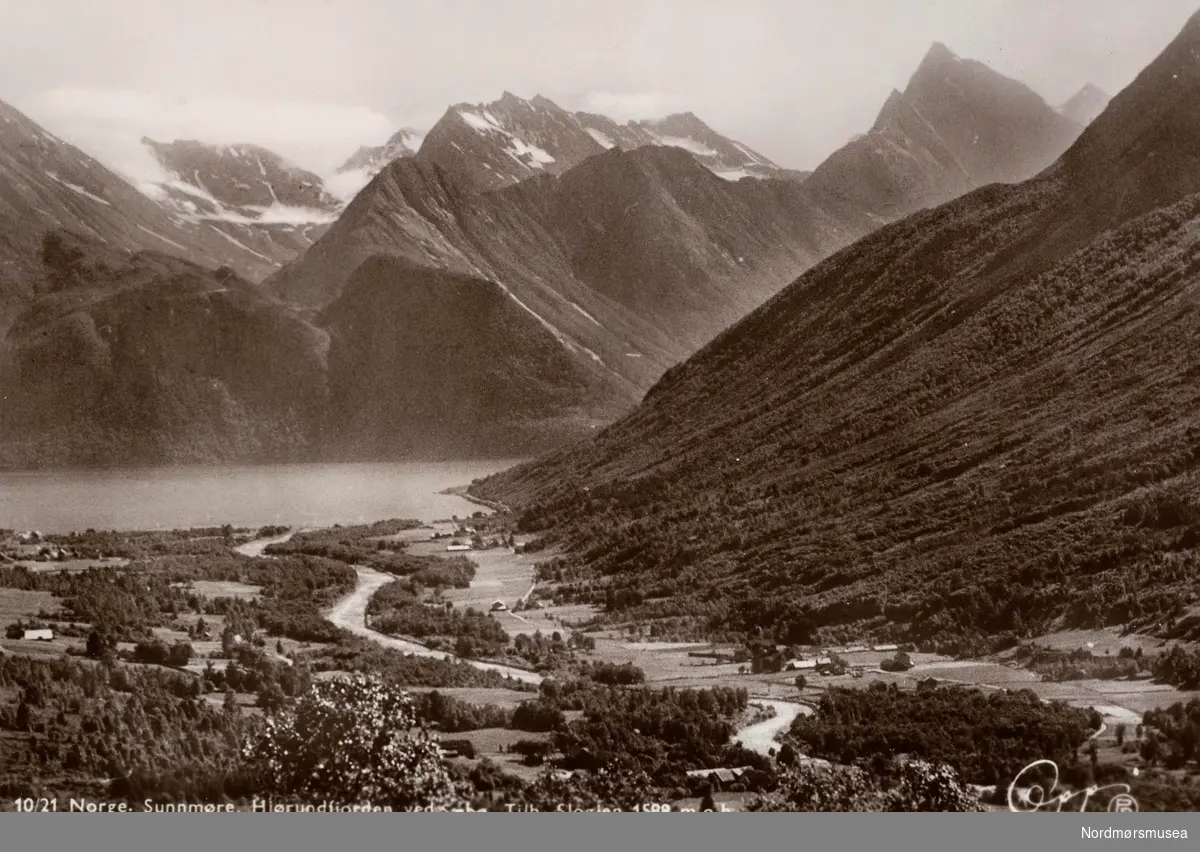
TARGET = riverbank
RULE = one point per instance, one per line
(350, 613)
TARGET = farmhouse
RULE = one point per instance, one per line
(885, 648)
(39, 635)
(797, 665)
(720, 778)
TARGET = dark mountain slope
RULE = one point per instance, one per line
(149, 359)
(965, 424)
(478, 376)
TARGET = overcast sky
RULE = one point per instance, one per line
(314, 79)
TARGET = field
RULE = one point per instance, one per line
(489, 741)
(224, 589)
(71, 566)
(507, 698)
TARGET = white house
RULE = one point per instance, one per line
(39, 635)
(794, 665)
(458, 547)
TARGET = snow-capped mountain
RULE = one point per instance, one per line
(247, 193)
(48, 184)
(369, 160)
(512, 139)
(728, 159)
(1086, 105)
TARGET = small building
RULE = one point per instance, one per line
(855, 649)
(720, 778)
(44, 635)
(800, 665)
(499, 606)
(886, 647)
(458, 547)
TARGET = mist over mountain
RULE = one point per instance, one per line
(48, 184)
(251, 195)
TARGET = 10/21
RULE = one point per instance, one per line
(83, 806)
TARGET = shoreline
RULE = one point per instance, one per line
(462, 492)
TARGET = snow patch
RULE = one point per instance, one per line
(732, 174)
(758, 161)
(478, 122)
(521, 148)
(78, 189)
(240, 244)
(602, 140)
(161, 237)
(688, 144)
(585, 313)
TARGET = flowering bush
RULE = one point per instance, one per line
(352, 741)
(922, 786)
(618, 789)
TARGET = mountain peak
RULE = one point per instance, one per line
(1085, 105)
(939, 54)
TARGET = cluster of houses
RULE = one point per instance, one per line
(33, 543)
(824, 663)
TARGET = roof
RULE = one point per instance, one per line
(801, 664)
(725, 773)
(38, 634)
(886, 647)
(823, 661)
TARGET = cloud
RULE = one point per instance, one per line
(109, 124)
(627, 106)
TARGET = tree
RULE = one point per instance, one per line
(801, 681)
(348, 741)
(96, 645)
(707, 805)
(1119, 731)
(179, 655)
(922, 786)
(23, 716)
(1150, 749)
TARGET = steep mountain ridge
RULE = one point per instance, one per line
(974, 422)
(956, 126)
(494, 145)
(635, 257)
(372, 158)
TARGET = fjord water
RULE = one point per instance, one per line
(243, 495)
